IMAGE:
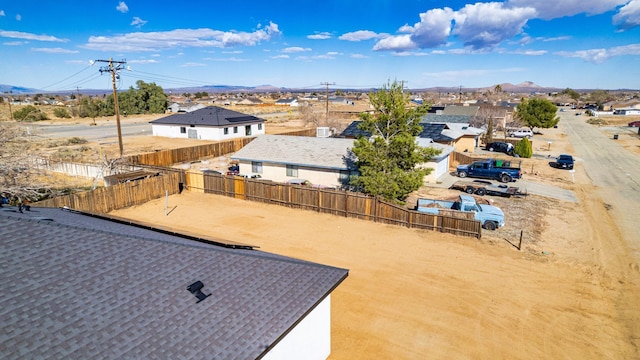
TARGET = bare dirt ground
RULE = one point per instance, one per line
(571, 292)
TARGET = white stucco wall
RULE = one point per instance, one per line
(310, 339)
(278, 173)
(205, 132)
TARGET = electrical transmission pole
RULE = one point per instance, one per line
(113, 68)
(327, 102)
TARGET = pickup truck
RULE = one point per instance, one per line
(499, 170)
(491, 217)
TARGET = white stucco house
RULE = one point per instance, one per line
(209, 123)
(321, 161)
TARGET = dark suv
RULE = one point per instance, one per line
(564, 162)
(499, 146)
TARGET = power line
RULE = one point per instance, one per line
(327, 101)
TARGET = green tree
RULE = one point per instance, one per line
(29, 113)
(571, 93)
(523, 148)
(388, 160)
(61, 113)
(537, 113)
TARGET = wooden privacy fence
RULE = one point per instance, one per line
(331, 201)
(104, 200)
(167, 158)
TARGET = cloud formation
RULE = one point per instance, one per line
(55, 50)
(484, 25)
(137, 22)
(122, 7)
(29, 36)
(319, 36)
(162, 40)
(628, 17)
(598, 56)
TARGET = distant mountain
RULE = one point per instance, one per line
(16, 89)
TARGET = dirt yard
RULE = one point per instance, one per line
(571, 292)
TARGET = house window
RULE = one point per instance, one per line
(259, 126)
(235, 129)
(226, 131)
(183, 130)
(292, 170)
(256, 167)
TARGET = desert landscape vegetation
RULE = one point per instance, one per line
(571, 291)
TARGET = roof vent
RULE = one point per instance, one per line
(196, 290)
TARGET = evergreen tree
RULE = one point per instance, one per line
(523, 148)
(537, 113)
(388, 160)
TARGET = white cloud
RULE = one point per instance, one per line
(546, 9)
(29, 36)
(295, 49)
(15, 43)
(137, 22)
(192, 64)
(283, 56)
(628, 17)
(530, 52)
(18, 17)
(122, 7)
(143, 61)
(319, 36)
(484, 25)
(433, 29)
(155, 41)
(395, 43)
(598, 56)
(458, 76)
(359, 35)
(55, 50)
(2, 13)
(359, 56)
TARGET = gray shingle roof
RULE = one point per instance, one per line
(209, 116)
(75, 286)
(441, 119)
(326, 153)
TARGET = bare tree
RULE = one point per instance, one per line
(492, 119)
(18, 178)
(309, 115)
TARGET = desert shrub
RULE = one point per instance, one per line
(29, 113)
(61, 113)
(76, 141)
(523, 148)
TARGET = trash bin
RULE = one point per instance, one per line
(615, 136)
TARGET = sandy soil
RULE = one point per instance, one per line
(572, 292)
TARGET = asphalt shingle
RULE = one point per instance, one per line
(77, 286)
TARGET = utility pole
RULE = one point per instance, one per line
(113, 68)
(327, 102)
(10, 100)
(460, 96)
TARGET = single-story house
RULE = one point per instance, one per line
(322, 161)
(81, 286)
(209, 123)
(287, 102)
(627, 111)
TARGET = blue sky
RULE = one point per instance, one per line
(425, 43)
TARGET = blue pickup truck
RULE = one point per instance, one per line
(491, 217)
(503, 171)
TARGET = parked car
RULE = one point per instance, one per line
(522, 133)
(300, 182)
(564, 161)
(500, 146)
(634, 124)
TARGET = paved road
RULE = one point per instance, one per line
(94, 133)
(615, 170)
